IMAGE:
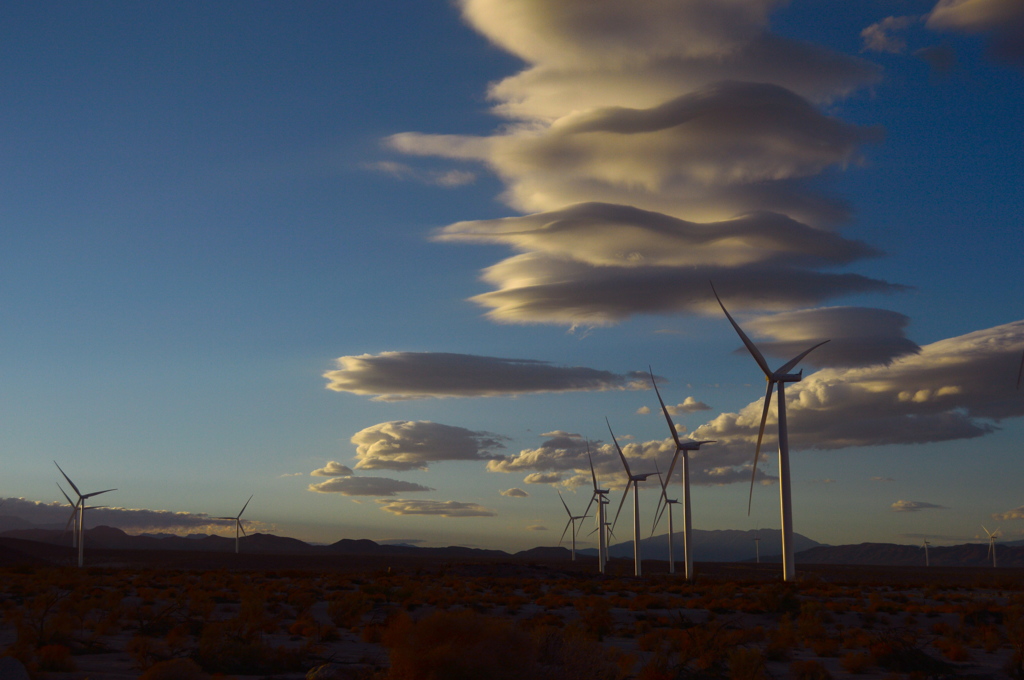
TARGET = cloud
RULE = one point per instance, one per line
(367, 486)
(549, 463)
(878, 37)
(515, 493)
(449, 178)
(396, 376)
(536, 527)
(915, 506)
(942, 58)
(1016, 513)
(953, 389)
(882, 479)
(727, 149)
(332, 469)
(858, 336)
(130, 520)
(435, 508)
(293, 474)
(1002, 20)
(413, 445)
(643, 410)
(584, 54)
(605, 234)
(689, 405)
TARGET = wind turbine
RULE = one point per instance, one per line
(992, 536)
(926, 544)
(634, 480)
(775, 378)
(757, 549)
(238, 522)
(81, 513)
(683, 448)
(572, 522)
(599, 494)
(669, 502)
(72, 519)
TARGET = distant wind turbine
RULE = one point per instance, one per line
(669, 502)
(775, 378)
(992, 536)
(238, 523)
(572, 523)
(634, 481)
(757, 549)
(73, 519)
(683, 448)
(926, 544)
(600, 494)
(80, 505)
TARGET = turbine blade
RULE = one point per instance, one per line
(69, 480)
(71, 519)
(791, 364)
(671, 425)
(97, 493)
(65, 495)
(245, 506)
(671, 466)
(617, 448)
(751, 347)
(564, 530)
(563, 504)
(242, 527)
(757, 450)
(621, 503)
(593, 474)
(588, 507)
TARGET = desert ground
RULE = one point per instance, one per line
(182, 615)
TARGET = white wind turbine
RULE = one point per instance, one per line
(992, 536)
(683, 448)
(73, 519)
(669, 502)
(600, 494)
(634, 481)
(572, 523)
(775, 378)
(238, 522)
(81, 513)
(926, 544)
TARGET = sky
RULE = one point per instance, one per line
(387, 267)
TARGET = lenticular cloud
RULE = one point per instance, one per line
(652, 145)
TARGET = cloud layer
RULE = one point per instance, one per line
(435, 508)
(367, 486)
(413, 445)
(396, 376)
(915, 506)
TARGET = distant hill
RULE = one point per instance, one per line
(891, 554)
(724, 545)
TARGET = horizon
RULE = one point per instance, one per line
(389, 270)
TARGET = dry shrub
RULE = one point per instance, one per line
(747, 663)
(175, 669)
(458, 646)
(856, 662)
(55, 658)
(347, 609)
(808, 670)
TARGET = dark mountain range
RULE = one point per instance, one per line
(891, 554)
(727, 545)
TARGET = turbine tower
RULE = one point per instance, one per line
(669, 502)
(992, 536)
(683, 448)
(73, 519)
(775, 378)
(572, 523)
(80, 506)
(238, 522)
(634, 480)
(757, 549)
(926, 544)
(600, 494)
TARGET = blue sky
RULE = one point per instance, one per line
(206, 206)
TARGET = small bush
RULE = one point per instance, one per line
(856, 662)
(808, 670)
(56, 658)
(175, 669)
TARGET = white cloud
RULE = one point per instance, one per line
(1016, 513)
(515, 493)
(130, 520)
(858, 336)
(953, 389)
(882, 479)
(367, 486)
(536, 527)
(689, 405)
(441, 178)
(435, 508)
(413, 445)
(396, 376)
(1003, 20)
(542, 478)
(332, 469)
(915, 506)
(879, 37)
(643, 410)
